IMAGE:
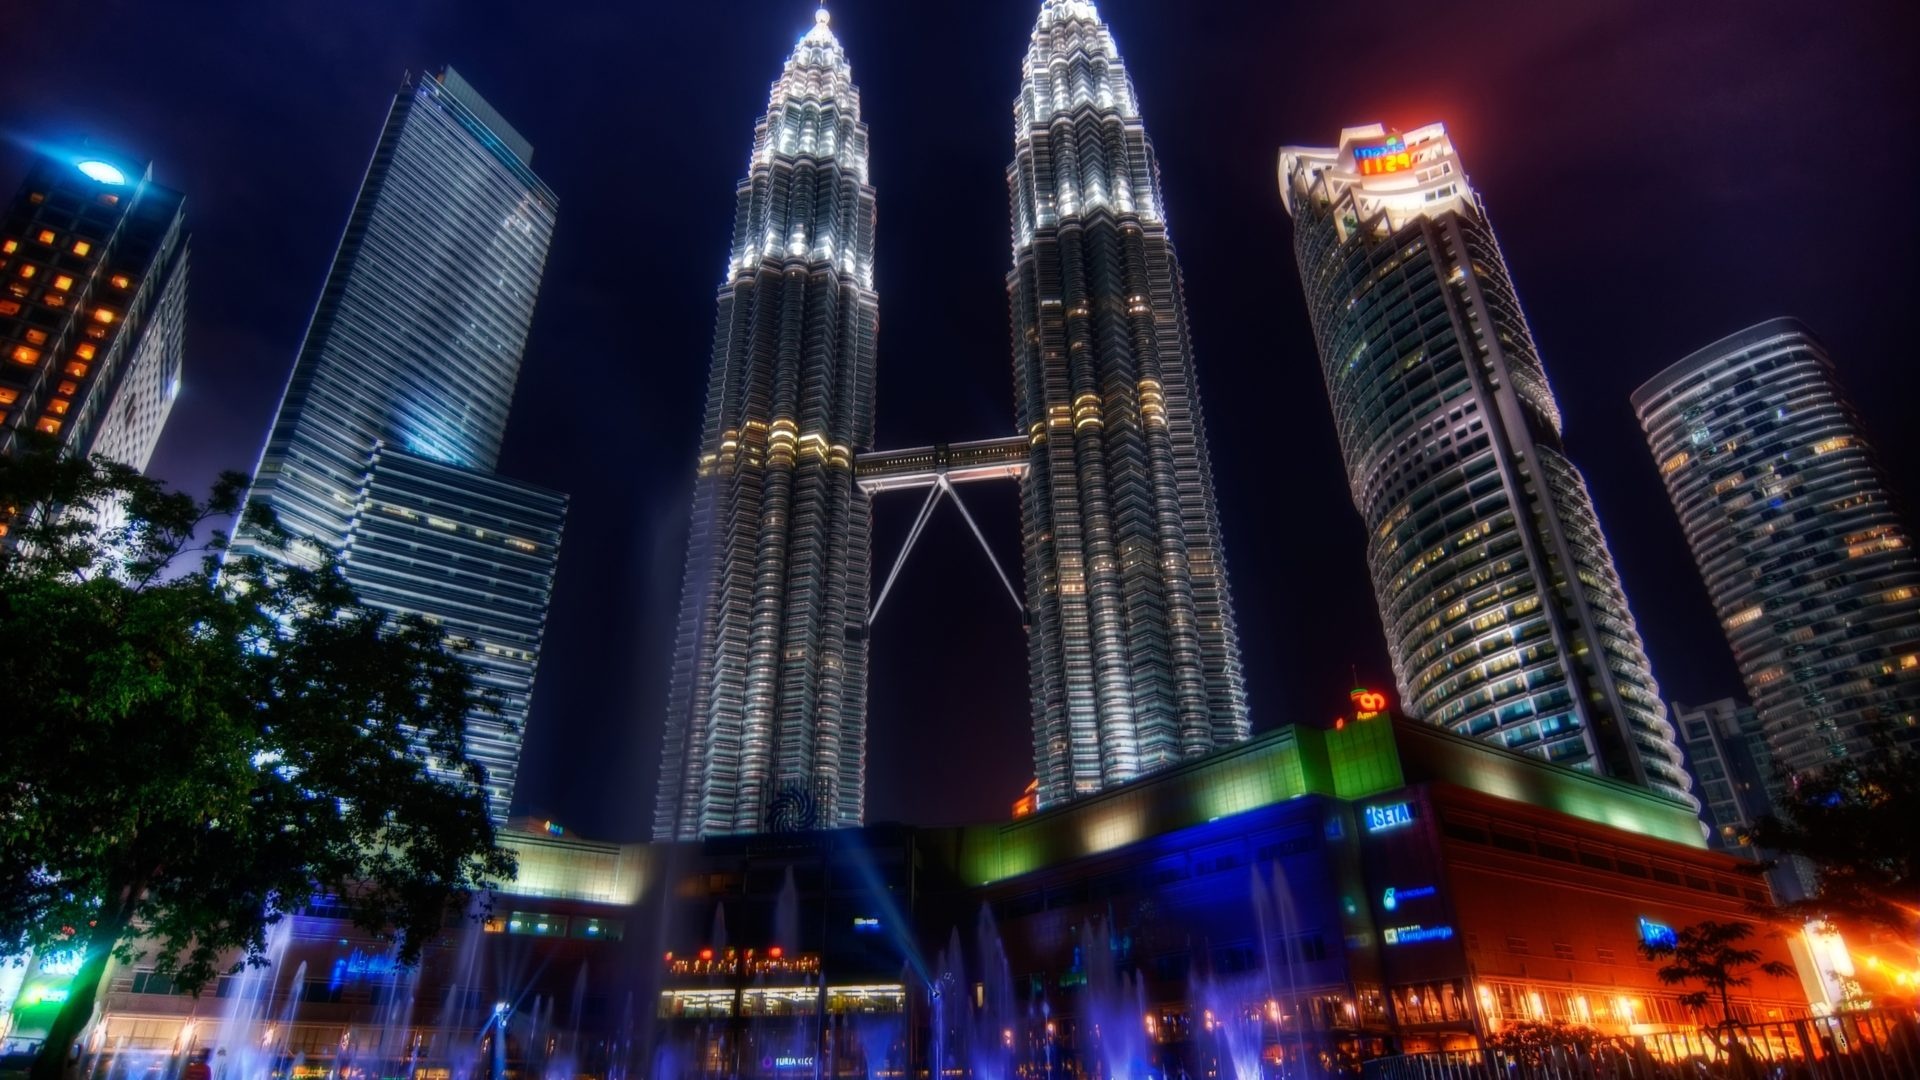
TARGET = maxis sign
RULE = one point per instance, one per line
(1387, 157)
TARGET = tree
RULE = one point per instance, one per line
(1532, 1043)
(194, 751)
(1858, 822)
(1714, 956)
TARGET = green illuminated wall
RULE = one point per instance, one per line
(1353, 762)
(1271, 768)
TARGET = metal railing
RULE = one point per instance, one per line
(1881, 1045)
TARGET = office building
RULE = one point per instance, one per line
(767, 710)
(93, 290)
(1504, 615)
(1134, 660)
(384, 447)
(1810, 567)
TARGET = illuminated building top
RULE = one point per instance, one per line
(1399, 174)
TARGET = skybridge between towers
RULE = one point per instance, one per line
(938, 468)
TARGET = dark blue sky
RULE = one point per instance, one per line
(1660, 173)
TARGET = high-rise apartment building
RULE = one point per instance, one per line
(1134, 659)
(1811, 569)
(767, 714)
(93, 288)
(1732, 767)
(384, 447)
(1503, 613)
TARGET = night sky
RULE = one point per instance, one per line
(1661, 174)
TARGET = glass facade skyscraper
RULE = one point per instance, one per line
(93, 292)
(1811, 568)
(1134, 659)
(767, 714)
(1503, 612)
(384, 446)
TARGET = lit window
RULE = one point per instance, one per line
(48, 426)
(58, 406)
(76, 369)
(28, 270)
(1744, 617)
(54, 300)
(9, 247)
(81, 247)
(121, 281)
(36, 337)
(9, 307)
(1827, 446)
(8, 395)
(103, 316)
(63, 282)
(1673, 463)
(109, 200)
(96, 332)
(46, 236)
(84, 350)
(24, 355)
(37, 197)
(68, 387)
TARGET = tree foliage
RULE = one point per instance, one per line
(1533, 1042)
(1858, 822)
(1715, 957)
(194, 751)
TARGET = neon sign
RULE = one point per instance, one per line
(863, 924)
(1653, 933)
(1391, 898)
(64, 964)
(1390, 816)
(1367, 704)
(1413, 935)
(1389, 157)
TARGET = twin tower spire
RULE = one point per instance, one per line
(1133, 657)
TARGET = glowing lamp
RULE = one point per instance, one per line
(774, 952)
(101, 172)
(706, 954)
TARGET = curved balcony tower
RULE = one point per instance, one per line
(1503, 612)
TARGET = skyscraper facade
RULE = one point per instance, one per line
(385, 443)
(1811, 568)
(1134, 659)
(1732, 766)
(767, 714)
(1503, 613)
(93, 288)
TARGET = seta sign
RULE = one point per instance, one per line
(1389, 816)
(1379, 159)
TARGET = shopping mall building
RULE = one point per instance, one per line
(1310, 895)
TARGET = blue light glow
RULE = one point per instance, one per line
(1391, 898)
(102, 172)
(1653, 933)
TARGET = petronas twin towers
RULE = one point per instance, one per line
(1134, 661)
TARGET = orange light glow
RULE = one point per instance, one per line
(84, 350)
(706, 954)
(103, 316)
(1367, 704)
(46, 236)
(24, 355)
(81, 247)
(121, 281)
(774, 951)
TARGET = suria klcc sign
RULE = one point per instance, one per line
(1380, 158)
